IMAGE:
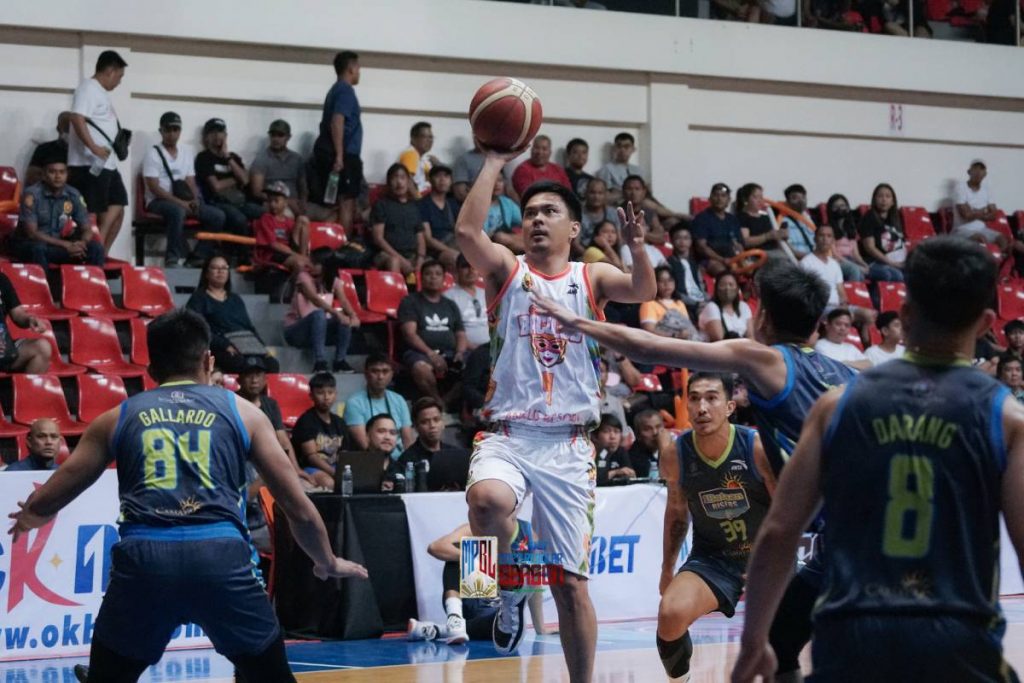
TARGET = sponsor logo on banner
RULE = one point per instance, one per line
(530, 568)
(613, 554)
(478, 567)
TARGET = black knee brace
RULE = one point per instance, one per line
(675, 655)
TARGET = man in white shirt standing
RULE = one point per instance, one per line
(973, 208)
(469, 296)
(889, 325)
(834, 344)
(168, 170)
(92, 163)
(824, 265)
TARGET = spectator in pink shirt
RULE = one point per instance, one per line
(313, 322)
(538, 167)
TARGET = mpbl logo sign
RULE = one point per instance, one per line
(613, 554)
(92, 557)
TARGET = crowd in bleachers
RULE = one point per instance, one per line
(375, 270)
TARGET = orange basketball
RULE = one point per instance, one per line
(505, 114)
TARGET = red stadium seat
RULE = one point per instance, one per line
(10, 190)
(874, 335)
(892, 295)
(648, 382)
(292, 394)
(698, 204)
(39, 396)
(857, 294)
(9, 429)
(94, 344)
(375, 192)
(84, 289)
(330, 235)
(822, 211)
(348, 285)
(917, 224)
(146, 291)
(1011, 302)
(384, 291)
(33, 290)
(57, 365)
(1001, 225)
(139, 347)
(97, 394)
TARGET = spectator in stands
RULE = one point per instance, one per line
(252, 386)
(726, 316)
(382, 446)
(504, 219)
(475, 378)
(467, 168)
(735, 10)
(1008, 371)
(43, 443)
(894, 16)
(319, 434)
(666, 315)
(634, 191)
(470, 297)
(778, 12)
(686, 271)
(276, 163)
(397, 230)
(339, 145)
(801, 237)
(92, 161)
(604, 245)
(432, 329)
(438, 211)
(889, 325)
(53, 222)
(375, 399)
(312, 321)
(757, 228)
(1014, 331)
(654, 255)
(834, 342)
(882, 243)
(447, 465)
(647, 426)
(822, 263)
(612, 458)
(24, 355)
(615, 172)
(223, 179)
(576, 154)
(168, 170)
(974, 207)
(595, 211)
(836, 15)
(999, 22)
(538, 167)
(233, 337)
(612, 402)
(280, 239)
(49, 150)
(416, 160)
(844, 228)
(717, 231)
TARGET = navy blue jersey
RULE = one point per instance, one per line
(780, 418)
(727, 497)
(912, 465)
(181, 451)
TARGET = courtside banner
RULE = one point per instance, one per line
(53, 578)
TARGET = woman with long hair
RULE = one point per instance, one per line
(312, 321)
(726, 316)
(882, 243)
(844, 226)
(757, 228)
(666, 315)
(604, 245)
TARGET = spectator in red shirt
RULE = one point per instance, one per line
(279, 239)
(539, 167)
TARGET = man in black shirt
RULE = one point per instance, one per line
(223, 178)
(612, 459)
(54, 149)
(448, 465)
(396, 226)
(576, 153)
(647, 425)
(438, 211)
(319, 434)
(431, 324)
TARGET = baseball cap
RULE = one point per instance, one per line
(170, 119)
(277, 187)
(280, 126)
(253, 364)
(214, 125)
(720, 187)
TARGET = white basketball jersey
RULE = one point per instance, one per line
(541, 374)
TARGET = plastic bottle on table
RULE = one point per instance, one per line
(346, 481)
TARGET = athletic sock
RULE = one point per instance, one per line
(453, 606)
(675, 655)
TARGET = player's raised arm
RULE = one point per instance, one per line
(1012, 501)
(493, 260)
(771, 564)
(763, 366)
(638, 286)
(277, 472)
(677, 511)
(81, 470)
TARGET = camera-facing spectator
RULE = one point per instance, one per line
(504, 219)
(756, 228)
(576, 155)
(801, 237)
(319, 434)
(615, 172)
(397, 229)
(1014, 331)
(595, 211)
(447, 465)
(95, 145)
(223, 178)
(416, 159)
(281, 239)
(822, 263)
(470, 297)
(539, 167)
(833, 343)
(717, 231)
(844, 227)
(612, 458)
(889, 325)
(726, 316)
(686, 271)
(438, 211)
(43, 442)
(604, 245)
(666, 315)
(276, 163)
(634, 191)
(1008, 371)
(339, 145)
(312, 322)
(882, 242)
(375, 399)
(973, 207)
(168, 169)
(467, 168)
(647, 425)
(53, 149)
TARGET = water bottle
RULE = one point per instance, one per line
(346, 481)
(422, 469)
(97, 166)
(331, 192)
(602, 459)
(410, 477)
(655, 475)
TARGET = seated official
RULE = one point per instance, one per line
(43, 441)
(448, 465)
(612, 458)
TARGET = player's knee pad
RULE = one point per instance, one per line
(675, 654)
(268, 666)
(450, 576)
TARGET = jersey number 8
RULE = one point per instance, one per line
(162, 449)
(911, 492)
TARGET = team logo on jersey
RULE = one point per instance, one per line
(573, 288)
(68, 206)
(726, 502)
(177, 396)
(738, 464)
(548, 341)
(527, 282)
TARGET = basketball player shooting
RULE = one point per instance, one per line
(543, 395)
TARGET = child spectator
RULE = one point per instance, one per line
(319, 434)
(280, 239)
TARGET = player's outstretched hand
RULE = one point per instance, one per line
(546, 306)
(25, 520)
(755, 663)
(633, 227)
(499, 154)
(340, 569)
